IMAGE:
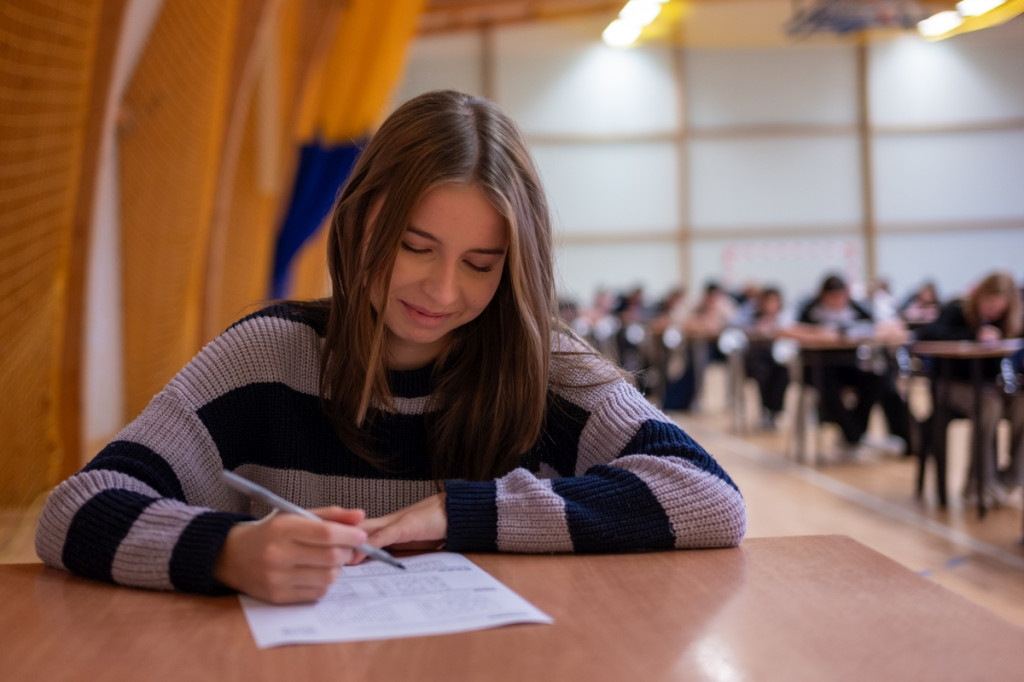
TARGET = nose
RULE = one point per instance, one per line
(441, 283)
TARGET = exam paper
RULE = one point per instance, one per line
(437, 594)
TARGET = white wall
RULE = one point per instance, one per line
(678, 165)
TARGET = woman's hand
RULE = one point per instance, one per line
(288, 559)
(987, 332)
(423, 525)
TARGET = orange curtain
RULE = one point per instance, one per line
(171, 136)
(345, 96)
(54, 62)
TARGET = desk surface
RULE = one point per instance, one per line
(967, 349)
(802, 608)
(848, 343)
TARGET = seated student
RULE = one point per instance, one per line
(831, 316)
(704, 320)
(923, 306)
(712, 312)
(991, 311)
(762, 323)
(434, 397)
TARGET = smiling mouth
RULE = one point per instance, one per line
(421, 311)
(425, 315)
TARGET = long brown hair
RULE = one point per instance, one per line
(493, 379)
(997, 284)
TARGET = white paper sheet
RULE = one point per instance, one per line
(437, 594)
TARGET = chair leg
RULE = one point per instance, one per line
(922, 464)
(940, 474)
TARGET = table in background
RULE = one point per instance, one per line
(974, 352)
(800, 608)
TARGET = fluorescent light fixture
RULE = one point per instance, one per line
(940, 23)
(621, 33)
(975, 8)
(640, 12)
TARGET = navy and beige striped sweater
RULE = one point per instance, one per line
(609, 473)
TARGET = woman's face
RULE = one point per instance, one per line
(447, 271)
(991, 307)
(771, 304)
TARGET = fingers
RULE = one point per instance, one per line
(334, 534)
(371, 526)
(391, 534)
(424, 521)
(297, 585)
(348, 517)
(288, 558)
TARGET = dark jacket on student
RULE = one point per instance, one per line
(952, 325)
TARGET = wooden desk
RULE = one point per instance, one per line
(974, 352)
(801, 608)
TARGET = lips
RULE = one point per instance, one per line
(424, 317)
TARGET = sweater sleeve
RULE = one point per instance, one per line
(125, 518)
(150, 509)
(633, 481)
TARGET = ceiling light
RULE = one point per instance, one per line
(975, 8)
(621, 33)
(940, 23)
(640, 12)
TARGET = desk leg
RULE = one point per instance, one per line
(737, 399)
(977, 445)
(817, 372)
(700, 364)
(800, 419)
(939, 423)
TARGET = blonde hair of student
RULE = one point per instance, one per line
(494, 375)
(997, 284)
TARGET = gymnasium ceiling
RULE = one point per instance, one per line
(443, 16)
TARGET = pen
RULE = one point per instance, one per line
(258, 492)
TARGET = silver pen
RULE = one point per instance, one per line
(258, 492)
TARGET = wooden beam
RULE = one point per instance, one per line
(444, 17)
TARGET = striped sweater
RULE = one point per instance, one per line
(609, 473)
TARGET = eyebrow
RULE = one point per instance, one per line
(427, 235)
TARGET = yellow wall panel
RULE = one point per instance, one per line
(170, 143)
(47, 52)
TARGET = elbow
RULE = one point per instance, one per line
(735, 527)
(720, 524)
(729, 525)
(50, 533)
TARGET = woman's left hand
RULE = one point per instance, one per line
(423, 525)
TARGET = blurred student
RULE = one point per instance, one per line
(762, 323)
(923, 306)
(700, 324)
(991, 311)
(832, 316)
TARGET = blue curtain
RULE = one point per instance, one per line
(322, 171)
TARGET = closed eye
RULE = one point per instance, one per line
(478, 268)
(412, 250)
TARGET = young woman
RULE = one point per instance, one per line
(434, 396)
(991, 311)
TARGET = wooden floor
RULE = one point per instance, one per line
(870, 498)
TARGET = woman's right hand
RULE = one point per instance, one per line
(288, 559)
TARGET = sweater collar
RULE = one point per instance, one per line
(412, 383)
